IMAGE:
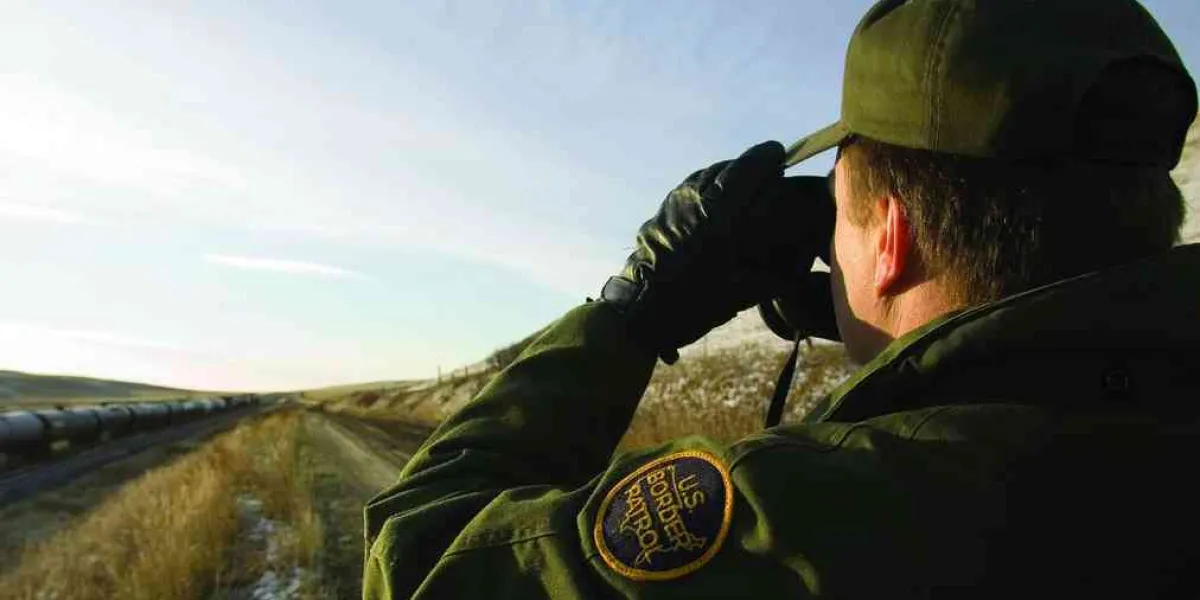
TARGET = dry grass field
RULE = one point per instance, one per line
(720, 391)
(723, 394)
(232, 519)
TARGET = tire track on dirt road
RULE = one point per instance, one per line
(372, 453)
(351, 460)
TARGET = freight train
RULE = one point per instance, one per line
(33, 433)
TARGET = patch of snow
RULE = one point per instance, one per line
(263, 527)
(249, 503)
(270, 585)
(273, 587)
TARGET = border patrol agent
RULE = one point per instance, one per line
(1035, 439)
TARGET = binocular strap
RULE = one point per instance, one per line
(783, 386)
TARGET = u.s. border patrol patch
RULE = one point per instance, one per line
(666, 519)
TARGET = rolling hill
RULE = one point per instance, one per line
(28, 389)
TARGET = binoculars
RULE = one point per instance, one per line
(806, 310)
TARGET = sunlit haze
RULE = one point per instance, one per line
(299, 194)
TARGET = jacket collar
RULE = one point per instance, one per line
(1127, 334)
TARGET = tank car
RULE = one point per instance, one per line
(80, 424)
(150, 415)
(115, 419)
(21, 432)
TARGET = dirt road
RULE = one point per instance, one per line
(371, 453)
(351, 461)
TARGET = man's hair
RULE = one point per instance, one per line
(991, 228)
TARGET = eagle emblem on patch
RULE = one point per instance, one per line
(667, 518)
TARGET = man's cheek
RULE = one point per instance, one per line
(837, 291)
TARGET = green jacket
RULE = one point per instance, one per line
(1045, 442)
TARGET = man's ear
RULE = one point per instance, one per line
(894, 247)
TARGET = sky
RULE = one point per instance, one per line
(283, 195)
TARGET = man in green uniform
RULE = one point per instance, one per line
(1003, 262)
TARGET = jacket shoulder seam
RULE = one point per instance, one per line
(929, 416)
(783, 441)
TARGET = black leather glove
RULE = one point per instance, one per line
(730, 236)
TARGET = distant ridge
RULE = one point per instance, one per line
(29, 388)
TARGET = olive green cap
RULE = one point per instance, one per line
(1013, 79)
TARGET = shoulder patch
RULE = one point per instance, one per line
(666, 519)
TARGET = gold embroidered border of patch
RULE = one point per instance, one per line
(622, 486)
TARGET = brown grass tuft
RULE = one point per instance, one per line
(163, 536)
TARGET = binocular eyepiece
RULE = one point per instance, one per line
(805, 309)
(806, 312)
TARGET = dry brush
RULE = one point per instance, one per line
(180, 531)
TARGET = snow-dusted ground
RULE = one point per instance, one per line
(745, 328)
(264, 536)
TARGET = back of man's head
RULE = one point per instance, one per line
(992, 227)
(1026, 141)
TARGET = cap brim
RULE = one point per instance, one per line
(814, 144)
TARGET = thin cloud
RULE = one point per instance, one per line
(293, 267)
(26, 212)
(566, 263)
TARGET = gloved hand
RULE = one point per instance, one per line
(730, 236)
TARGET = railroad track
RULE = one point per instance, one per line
(27, 481)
